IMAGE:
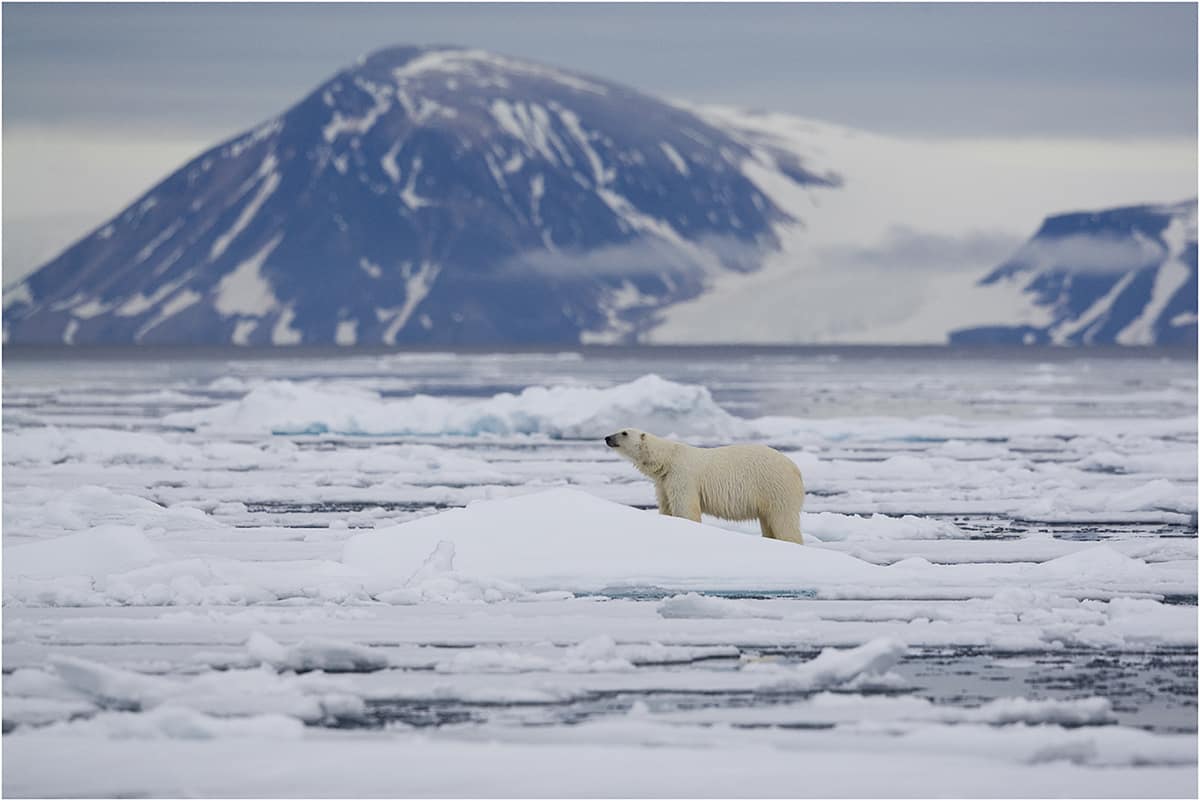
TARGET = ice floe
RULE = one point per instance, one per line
(539, 546)
(96, 552)
(179, 723)
(234, 693)
(700, 606)
(833, 667)
(651, 402)
(568, 540)
(37, 512)
(315, 654)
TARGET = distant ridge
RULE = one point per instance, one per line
(1124, 276)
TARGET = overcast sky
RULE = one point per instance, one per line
(134, 89)
(1097, 69)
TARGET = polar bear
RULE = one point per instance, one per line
(734, 482)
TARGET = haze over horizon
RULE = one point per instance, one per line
(107, 99)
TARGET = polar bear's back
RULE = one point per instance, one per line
(743, 482)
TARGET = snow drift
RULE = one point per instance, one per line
(566, 539)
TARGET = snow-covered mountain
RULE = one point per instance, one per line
(425, 195)
(1122, 276)
(451, 196)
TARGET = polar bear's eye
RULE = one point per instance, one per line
(624, 433)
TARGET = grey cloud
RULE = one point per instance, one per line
(1090, 253)
(909, 249)
(1090, 69)
(646, 256)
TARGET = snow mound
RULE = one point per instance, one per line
(331, 656)
(564, 539)
(224, 693)
(186, 582)
(42, 711)
(1071, 712)
(694, 605)
(35, 510)
(1102, 561)
(835, 707)
(110, 687)
(1153, 495)
(417, 464)
(97, 552)
(833, 527)
(437, 581)
(114, 565)
(54, 445)
(598, 654)
(180, 723)
(650, 402)
(835, 666)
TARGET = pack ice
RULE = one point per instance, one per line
(353, 576)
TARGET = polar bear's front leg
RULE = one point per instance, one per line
(690, 508)
(683, 501)
(664, 505)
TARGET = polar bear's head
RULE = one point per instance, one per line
(628, 442)
(647, 452)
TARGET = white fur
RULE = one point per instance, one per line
(735, 482)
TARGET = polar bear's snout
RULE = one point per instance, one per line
(614, 440)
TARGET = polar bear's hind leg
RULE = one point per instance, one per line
(783, 526)
(765, 524)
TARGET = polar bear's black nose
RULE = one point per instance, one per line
(611, 440)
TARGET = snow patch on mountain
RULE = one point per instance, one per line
(1170, 278)
(269, 183)
(245, 290)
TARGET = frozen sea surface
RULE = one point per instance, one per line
(422, 574)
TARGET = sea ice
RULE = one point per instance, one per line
(242, 577)
(695, 605)
(98, 551)
(315, 654)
